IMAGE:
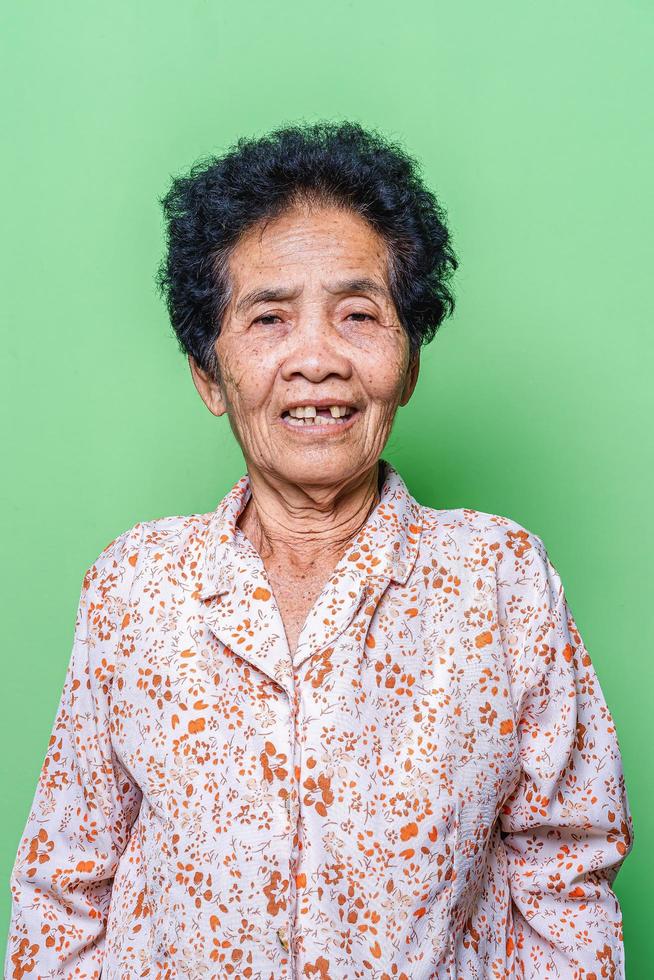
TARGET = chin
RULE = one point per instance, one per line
(320, 468)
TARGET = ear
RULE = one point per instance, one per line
(411, 378)
(208, 388)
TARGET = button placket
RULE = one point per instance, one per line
(290, 806)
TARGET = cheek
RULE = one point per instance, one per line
(247, 377)
(384, 375)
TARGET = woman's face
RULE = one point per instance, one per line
(310, 324)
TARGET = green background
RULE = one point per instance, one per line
(534, 126)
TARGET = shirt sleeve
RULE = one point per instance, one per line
(566, 826)
(85, 803)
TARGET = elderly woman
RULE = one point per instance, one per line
(324, 730)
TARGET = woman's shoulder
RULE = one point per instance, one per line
(468, 521)
(481, 537)
(158, 540)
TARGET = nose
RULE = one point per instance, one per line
(315, 352)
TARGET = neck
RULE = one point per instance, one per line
(298, 528)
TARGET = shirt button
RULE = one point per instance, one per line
(283, 938)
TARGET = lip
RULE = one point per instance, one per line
(320, 429)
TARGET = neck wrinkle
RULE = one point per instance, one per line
(308, 538)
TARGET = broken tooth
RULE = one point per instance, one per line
(310, 412)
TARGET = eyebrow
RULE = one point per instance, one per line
(363, 285)
(264, 296)
(272, 295)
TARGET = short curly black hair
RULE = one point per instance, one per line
(208, 209)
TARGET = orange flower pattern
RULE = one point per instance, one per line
(430, 787)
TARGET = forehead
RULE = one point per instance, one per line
(309, 241)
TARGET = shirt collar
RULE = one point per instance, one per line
(386, 546)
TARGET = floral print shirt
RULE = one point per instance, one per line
(430, 787)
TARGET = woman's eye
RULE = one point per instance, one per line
(367, 315)
(266, 318)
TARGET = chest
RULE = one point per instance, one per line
(340, 757)
(398, 688)
(378, 769)
(295, 596)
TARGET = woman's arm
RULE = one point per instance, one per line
(85, 803)
(567, 825)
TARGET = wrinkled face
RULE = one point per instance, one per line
(313, 359)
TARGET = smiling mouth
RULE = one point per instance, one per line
(313, 417)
